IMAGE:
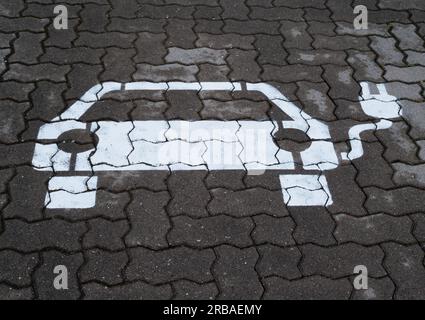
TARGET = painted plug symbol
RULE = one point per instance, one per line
(381, 106)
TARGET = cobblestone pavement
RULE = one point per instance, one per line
(215, 234)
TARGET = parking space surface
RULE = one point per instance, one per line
(212, 149)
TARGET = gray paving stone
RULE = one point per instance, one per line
(130, 291)
(277, 261)
(295, 35)
(374, 29)
(396, 202)
(277, 231)
(250, 27)
(12, 8)
(408, 39)
(309, 288)
(404, 91)
(234, 9)
(62, 38)
(409, 175)
(339, 261)
(28, 190)
(406, 268)
(347, 196)
(209, 26)
(419, 226)
(189, 195)
(412, 112)
(315, 100)
(387, 51)
(174, 264)
(189, 99)
(211, 231)
(3, 61)
(341, 82)
(246, 203)
(32, 73)
(105, 234)
(27, 48)
(243, 65)
(5, 39)
(340, 43)
(316, 57)
(225, 41)
(414, 57)
(235, 273)
(313, 225)
(44, 276)
(317, 27)
(276, 13)
(373, 229)
(45, 10)
(166, 72)
(365, 66)
(12, 121)
(136, 25)
(54, 233)
(421, 145)
(399, 145)
(118, 65)
(22, 24)
(150, 48)
(207, 12)
(291, 73)
(196, 56)
(169, 11)
(188, 290)
(148, 219)
(410, 4)
(95, 267)
(5, 176)
(208, 72)
(378, 289)
(234, 110)
(16, 268)
(94, 18)
(180, 33)
(405, 74)
(372, 169)
(124, 8)
(9, 293)
(270, 50)
(63, 56)
(101, 40)
(16, 154)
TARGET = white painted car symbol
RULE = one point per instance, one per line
(195, 145)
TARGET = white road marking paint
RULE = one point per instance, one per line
(78, 192)
(200, 145)
(305, 190)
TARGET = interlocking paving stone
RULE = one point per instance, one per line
(308, 288)
(131, 291)
(313, 225)
(405, 264)
(211, 231)
(9, 293)
(378, 289)
(188, 290)
(235, 273)
(53, 233)
(277, 261)
(272, 230)
(339, 261)
(94, 267)
(44, 276)
(215, 234)
(105, 234)
(17, 268)
(174, 264)
(148, 219)
(396, 202)
(373, 229)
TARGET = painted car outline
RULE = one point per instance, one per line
(320, 156)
